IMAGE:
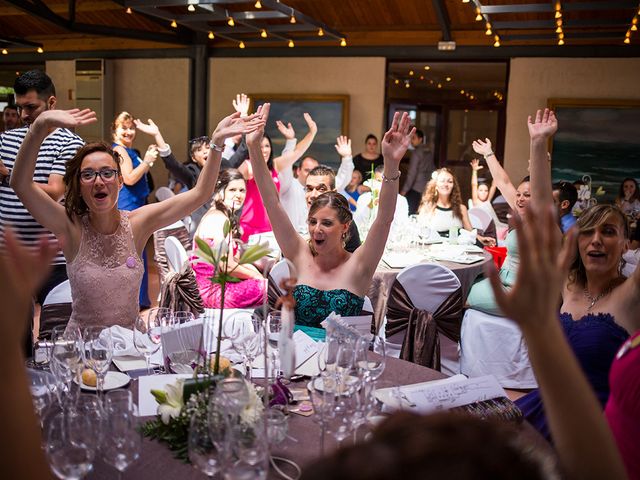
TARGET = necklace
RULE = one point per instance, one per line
(595, 299)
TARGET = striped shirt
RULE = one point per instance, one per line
(59, 147)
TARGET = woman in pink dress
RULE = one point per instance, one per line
(228, 199)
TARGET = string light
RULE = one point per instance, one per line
(40, 50)
(488, 32)
(191, 8)
(497, 41)
(263, 33)
(561, 35)
(129, 11)
(448, 79)
(174, 24)
(211, 36)
(560, 41)
(407, 84)
(5, 51)
(427, 67)
(559, 30)
(397, 82)
(258, 4)
(471, 97)
(627, 40)
(293, 17)
(634, 24)
(291, 44)
(343, 42)
(478, 15)
(320, 32)
(241, 45)
(439, 85)
(628, 34)
(411, 72)
(421, 77)
(461, 92)
(230, 22)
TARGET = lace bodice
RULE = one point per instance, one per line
(105, 277)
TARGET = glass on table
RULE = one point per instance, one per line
(66, 358)
(70, 457)
(97, 352)
(203, 452)
(147, 337)
(122, 440)
(249, 453)
(40, 384)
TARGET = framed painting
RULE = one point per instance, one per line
(599, 139)
(330, 112)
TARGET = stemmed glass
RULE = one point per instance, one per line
(147, 337)
(274, 324)
(66, 358)
(203, 452)
(70, 457)
(323, 402)
(122, 441)
(248, 341)
(328, 356)
(40, 385)
(98, 352)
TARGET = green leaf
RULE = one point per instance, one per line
(204, 247)
(253, 253)
(226, 228)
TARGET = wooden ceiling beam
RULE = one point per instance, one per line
(568, 23)
(549, 7)
(443, 19)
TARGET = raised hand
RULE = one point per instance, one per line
(148, 128)
(475, 165)
(287, 131)
(151, 154)
(313, 128)
(234, 124)
(241, 104)
(66, 118)
(543, 269)
(343, 146)
(396, 140)
(543, 126)
(262, 113)
(482, 147)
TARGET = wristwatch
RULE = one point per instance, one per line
(215, 147)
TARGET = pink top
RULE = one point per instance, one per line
(105, 277)
(254, 218)
(623, 408)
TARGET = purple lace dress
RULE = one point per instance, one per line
(595, 340)
(105, 277)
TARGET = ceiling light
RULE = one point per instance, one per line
(448, 79)
(471, 97)
(626, 40)
(174, 24)
(397, 81)
(129, 11)
(191, 8)
(343, 42)
(211, 36)
(291, 44)
(558, 14)
(320, 32)
(241, 45)
(410, 72)
(39, 50)
(439, 85)
(5, 51)
(560, 41)
(258, 4)
(263, 33)
(479, 16)
(293, 18)
(230, 22)
(559, 30)
(466, 1)
(461, 92)
(427, 67)
(407, 84)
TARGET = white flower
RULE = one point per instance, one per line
(252, 411)
(172, 404)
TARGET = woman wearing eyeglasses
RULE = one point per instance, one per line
(102, 243)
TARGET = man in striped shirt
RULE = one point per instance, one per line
(35, 93)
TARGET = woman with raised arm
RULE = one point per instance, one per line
(441, 206)
(102, 244)
(254, 218)
(329, 277)
(482, 193)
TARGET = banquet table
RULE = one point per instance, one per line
(157, 462)
(384, 276)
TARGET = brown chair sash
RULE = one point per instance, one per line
(421, 343)
(51, 316)
(180, 292)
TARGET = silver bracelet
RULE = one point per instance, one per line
(215, 147)
(392, 179)
(488, 155)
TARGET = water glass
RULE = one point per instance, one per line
(147, 337)
(40, 384)
(66, 357)
(122, 441)
(249, 453)
(70, 457)
(203, 453)
(98, 352)
(277, 426)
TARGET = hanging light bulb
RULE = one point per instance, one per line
(411, 72)
(5, 51)
(448, 79)
(488, 32)
(427, 67)
(320, 32)
(634, 23)
(258, 4)
(291, 44)
(191, 8)
(461, 92)
(40, 50)
(561, 35)
(471, 97)
(263, 33)
(293, 17)
(439, 85)
(628, 34)
(174, 24)
(478, 15)
(230, 22)
(128, 10)
(558, 14)
(343, 42)
(559, 30)
(497, 41)
(397, 82)
(626, 40)
(421, 77)
(241, 45)
(211, 36)
(466, 1)
(407, 84)
(560, 41)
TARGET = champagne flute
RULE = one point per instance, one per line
(147, 338)
(97, 352)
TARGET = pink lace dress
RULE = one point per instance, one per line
(246, 293)
(105, 277)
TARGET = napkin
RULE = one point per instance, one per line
(466, 237)
(123, 345)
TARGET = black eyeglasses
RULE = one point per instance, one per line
(106, 174)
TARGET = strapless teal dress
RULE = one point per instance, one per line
(313, 305)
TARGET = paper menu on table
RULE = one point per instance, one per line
(443, 394)
(305, 349)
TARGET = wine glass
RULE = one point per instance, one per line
(122, 441)
(69, 457)
(40, 386)
(97, 352)
(66, 358)
(249, 453)
(248, 341)
(328, 356)
(274, 324)
(203, 453)
(233, 393)
(370, 357)
(147, 337)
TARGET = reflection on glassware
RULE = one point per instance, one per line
(97, 352)
(147, 337)
(69, 456)
(203, 453)
(122, 441)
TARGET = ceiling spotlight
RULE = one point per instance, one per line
(479, 16)
(230, 22)
(291, 44)
(320, 32)
(560, 41)
(5, 51)
(129, 11)
(211, 36)
(258, 4)
(263, 33)
(241, 45)
(626, 40)
(40, 50)
(191, 8)
(343, 42)
(174, 24)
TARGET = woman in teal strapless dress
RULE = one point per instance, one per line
(330, 279)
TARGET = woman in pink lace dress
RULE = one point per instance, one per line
(229, 196)
(102, 245)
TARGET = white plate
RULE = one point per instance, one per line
(112, 380)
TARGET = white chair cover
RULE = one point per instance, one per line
(479, 218)
(428, 285)
(492, 345)
(163, 193)
(59, 294)
(176, 254)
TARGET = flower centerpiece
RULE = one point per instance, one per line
(188, 397)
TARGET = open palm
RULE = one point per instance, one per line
(67, 118)
(262, 114)
(396, 140)
(544, 125)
